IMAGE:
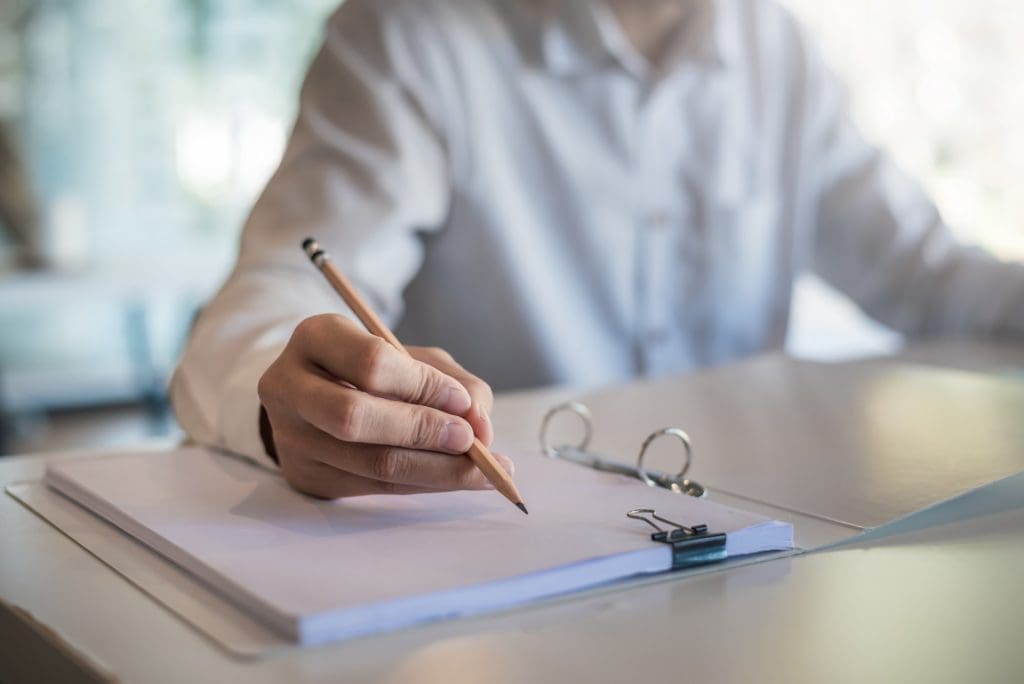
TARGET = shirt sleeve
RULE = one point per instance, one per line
(880, 239)
(365, 170)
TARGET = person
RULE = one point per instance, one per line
(550, 191)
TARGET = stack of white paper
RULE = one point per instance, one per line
(319, 571)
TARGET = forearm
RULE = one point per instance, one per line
(947, 289)
(882, 242)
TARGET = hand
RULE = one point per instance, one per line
(352, 415)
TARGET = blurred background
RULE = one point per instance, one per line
(134, 137)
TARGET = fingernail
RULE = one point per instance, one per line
(455, 400)
(508, 463)
(456, 437)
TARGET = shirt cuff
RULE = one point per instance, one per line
(238, 427)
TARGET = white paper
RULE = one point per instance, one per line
(319, 571)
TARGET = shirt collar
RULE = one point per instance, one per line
(576, 36)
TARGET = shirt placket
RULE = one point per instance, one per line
(662, 221)
(670, 246)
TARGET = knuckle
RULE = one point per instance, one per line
(429, 385)
(273, 384)
(289, 453)
(293, 478)
(293, 456)
(424, 431)
(317, 484)
(349, 419)
(304, 328)
(307, 476)
(320, 490)
(390, 466)
(313, 330)
(372, 360)
(265, 386)
(300, 479)
(439, 353)
(309, 328)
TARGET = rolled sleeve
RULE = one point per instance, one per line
(364, 171)
(882, 241)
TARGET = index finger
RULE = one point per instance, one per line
(348, 353)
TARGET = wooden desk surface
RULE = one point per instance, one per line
(938, 604)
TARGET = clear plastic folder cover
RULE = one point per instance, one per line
(860, 443)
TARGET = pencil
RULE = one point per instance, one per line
(481, 457)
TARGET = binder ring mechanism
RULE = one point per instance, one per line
(578, 454)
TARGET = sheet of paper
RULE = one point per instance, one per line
(320, 570)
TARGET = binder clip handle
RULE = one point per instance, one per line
(649, 515)
(690, 545)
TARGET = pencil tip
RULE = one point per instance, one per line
(521, 507)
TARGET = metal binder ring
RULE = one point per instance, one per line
(573, 407)
(678, 482)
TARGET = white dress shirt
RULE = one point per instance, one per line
(511, 181)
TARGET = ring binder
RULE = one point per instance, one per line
(690, 545)
(578, 454)
(677, 482)
(576, 408)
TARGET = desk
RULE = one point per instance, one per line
(938, 604)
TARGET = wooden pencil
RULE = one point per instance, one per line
(481, 457)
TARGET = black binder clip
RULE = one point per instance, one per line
(690, 545)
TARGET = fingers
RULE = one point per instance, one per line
(347, 352)
(393, 466)
(324, 482)
(350, 415)
(480, 392)
(505, 462)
